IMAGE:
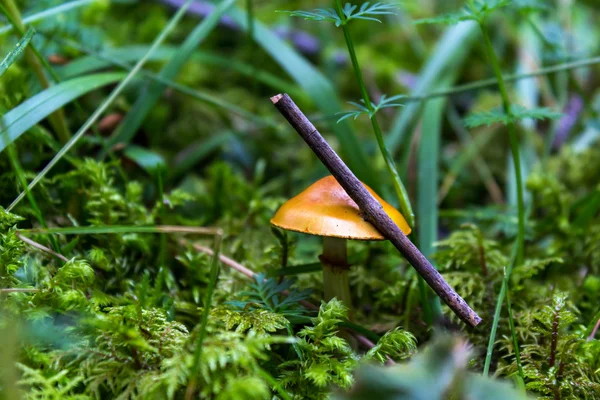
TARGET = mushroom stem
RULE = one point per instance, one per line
(335, 270)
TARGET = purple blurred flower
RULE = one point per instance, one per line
(571, 112)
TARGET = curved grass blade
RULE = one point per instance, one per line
(319, 89)
(20, 174)
(23, 117)
(150, 95)
(122, 55)
(198, 151)
(49, 13)
(100, 60)
(33, 58)
(214, 277)
(451, 50)
(17, 51)
(427, 184)
(150, 161)
(107, 102)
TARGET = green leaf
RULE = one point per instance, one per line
(518, 112)
(17, 51)
(321, 92)
(437, 372)
(21, 118)
(319, 14)
(149, 160)
(150, 95)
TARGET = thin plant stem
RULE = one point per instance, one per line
(485, 83)
(497, 311)
(57, 119)
(163, 213)
(250, 19)
(214, 276)
(41, 247)
(514, 144)
(108, 101)
(274, 384)
(399, 187)
(511, 324)
(14, 161)
(401, 192)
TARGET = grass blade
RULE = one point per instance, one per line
(401, 192)
(49, 13)
(113, 229)
(150, 96)
(319, 89)
(195, 152)
(17, 51)
(36, 62)
(498, 310)
(470, 153)
(23, 117)
(511, 323)
(214, 277)
(452, 49)
(16, 166)
(105, 59)
(123, 55)
(108, 101)
(427, 184)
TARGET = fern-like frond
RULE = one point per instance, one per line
(518, 113)
(318, 14)
(267, 293)
(367, 11)
(361, 108)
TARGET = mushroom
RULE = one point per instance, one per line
(325, 209)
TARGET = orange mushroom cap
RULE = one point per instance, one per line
(325, 209)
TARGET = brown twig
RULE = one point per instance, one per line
(593, 334)
(372, 209)
(554, 338)
(18, 290)
(41, 247)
